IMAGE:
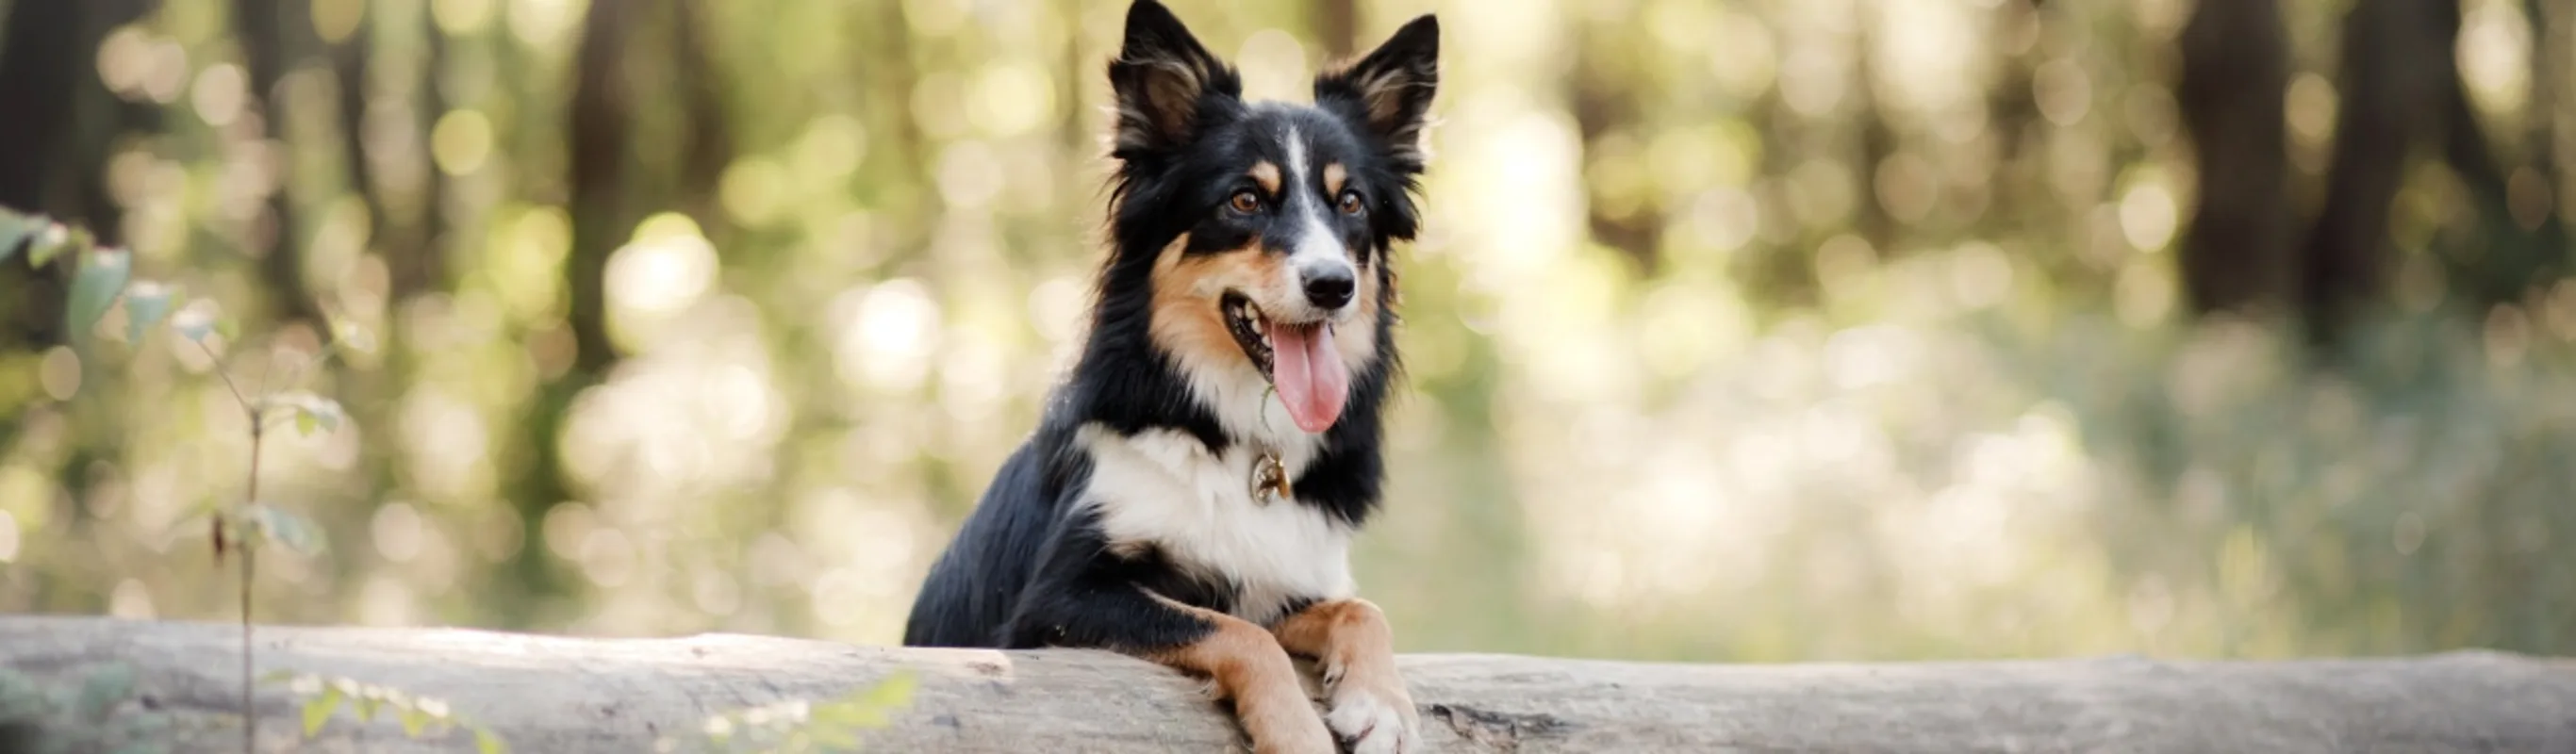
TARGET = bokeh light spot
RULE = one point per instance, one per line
(335, 20)
(60, 373)
(217, 95)
(461, 141)
(464, 17)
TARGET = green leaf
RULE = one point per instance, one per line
(319, 711)
(15, 229)
(367, 708)
(101, 278)
(487, 743)
(104, 690)
(835, 736)
(145, 304)
(195, 322)
(278, 525)
(311, 411)
(413, 721)
(53, 240)
(894, 692)
(349, 337)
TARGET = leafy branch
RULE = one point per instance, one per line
(102, 277)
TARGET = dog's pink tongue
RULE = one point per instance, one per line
(1308, 372)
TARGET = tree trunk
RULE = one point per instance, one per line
(1604, 103)
(2397, 82)
(599, 133)
(2237, 252)
(569, 695)
(272, 39)
(1337, 26)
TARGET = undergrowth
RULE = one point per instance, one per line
(91, 718)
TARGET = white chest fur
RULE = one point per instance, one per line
(1164, 487)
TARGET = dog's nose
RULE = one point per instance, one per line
(1330, 287)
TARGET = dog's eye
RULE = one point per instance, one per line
(1245, 202)
(1351, 204)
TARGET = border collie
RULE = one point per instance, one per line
(1190, 495)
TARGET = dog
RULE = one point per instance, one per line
(1191, 491)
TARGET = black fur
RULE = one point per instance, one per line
(1031, 567)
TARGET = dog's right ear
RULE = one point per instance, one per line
(1164, 79)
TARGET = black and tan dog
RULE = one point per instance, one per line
(1191, 493)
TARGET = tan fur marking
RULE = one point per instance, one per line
(1378, 92)
(1334, 175)
(1186, 321)
(1346, 636)
(1351, 642)
(1380, 95)
(1248, 666)
(1267, 175)
(1385, 100)
(1357, 338)
(1171, 94)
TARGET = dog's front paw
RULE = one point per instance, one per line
(1374, 715)
(1302, 735)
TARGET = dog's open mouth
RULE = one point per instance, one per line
(1299, 359)
(1245, 321)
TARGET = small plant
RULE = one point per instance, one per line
(102, 277)
(797, 726)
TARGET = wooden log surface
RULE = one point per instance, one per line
(565, 694)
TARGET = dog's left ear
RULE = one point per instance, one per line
(1389, 91)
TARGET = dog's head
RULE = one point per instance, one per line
(1266, 224)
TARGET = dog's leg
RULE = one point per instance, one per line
(1250, 668)
(1244, 663)
(1350, 639)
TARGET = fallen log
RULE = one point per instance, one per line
(98, 684)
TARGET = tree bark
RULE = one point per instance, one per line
(559, 694)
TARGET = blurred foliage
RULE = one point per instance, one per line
(796, 726)
(421, 717)
(98, 714)
(1751, 329)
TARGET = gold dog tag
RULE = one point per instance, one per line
(1269, 479)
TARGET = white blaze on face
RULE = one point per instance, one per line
(1306, 367)
(1318, 245)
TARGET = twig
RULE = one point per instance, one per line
(295, 372)
(237, 396)
(250, 714)
(249, 554)
(250, 495)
